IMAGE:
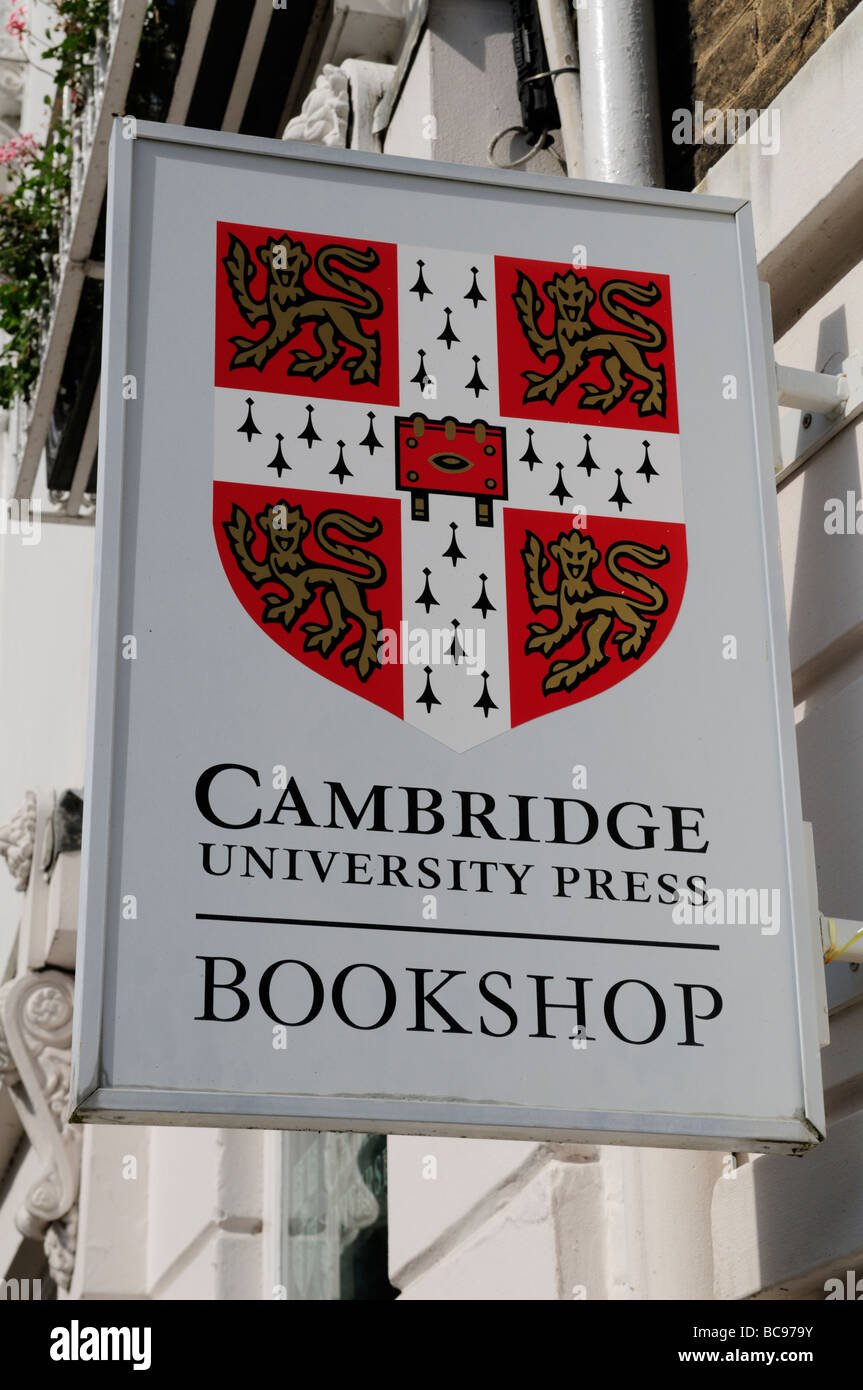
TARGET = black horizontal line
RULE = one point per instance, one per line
(457, 931)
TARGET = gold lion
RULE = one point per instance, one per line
(584, 609)
(288, 303)
(575, 338)
(284, 563)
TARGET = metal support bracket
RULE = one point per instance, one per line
(812, 390)
(828, 403)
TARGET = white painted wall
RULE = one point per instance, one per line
(44, 589)
(463, 78)
(45, 595)
(35, 112)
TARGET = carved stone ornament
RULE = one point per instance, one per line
(35, 1043)
(345, 96)
(323, 119)
(17, 840)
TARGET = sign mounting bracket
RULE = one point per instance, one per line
(828, 404)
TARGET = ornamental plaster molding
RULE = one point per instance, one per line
(343, 97)
(323, 119)
(35, 1057)
(17, 840)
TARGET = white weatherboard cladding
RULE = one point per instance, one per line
(689, 729)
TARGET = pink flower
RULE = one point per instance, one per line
(17, 150)
(16, 24)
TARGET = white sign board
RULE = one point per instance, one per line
(442, 760)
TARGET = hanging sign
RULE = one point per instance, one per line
(442, 758)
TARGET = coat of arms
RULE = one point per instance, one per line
(449, 482)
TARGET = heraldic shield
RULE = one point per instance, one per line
(449, 483)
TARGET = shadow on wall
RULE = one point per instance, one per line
(826, 635)
(676, 67)
(802, 1221)
(826, 569)
(451, 21)
(788, 1225)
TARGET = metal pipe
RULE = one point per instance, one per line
(557, 32)
(619, 92)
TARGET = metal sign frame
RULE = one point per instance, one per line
(96, 1094)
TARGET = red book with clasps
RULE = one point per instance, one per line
(446, 456)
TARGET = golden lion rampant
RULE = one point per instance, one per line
(285, 564)
(575, 338)
(288, 304)
(581, 608)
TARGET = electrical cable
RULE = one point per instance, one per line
(543, 142)
(832, 953)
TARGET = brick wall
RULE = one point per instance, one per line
(741, 53)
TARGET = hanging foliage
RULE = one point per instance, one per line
(38, 183)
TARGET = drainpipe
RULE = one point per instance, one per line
(555, 17)
(619, 92)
